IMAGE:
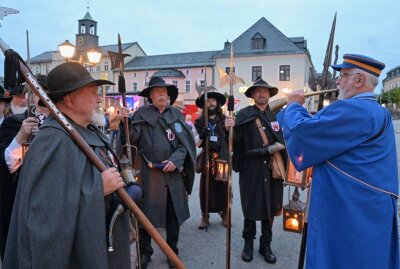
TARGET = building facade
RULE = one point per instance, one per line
(262, 50)
(392, 79)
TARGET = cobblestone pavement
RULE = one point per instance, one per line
(199, 249)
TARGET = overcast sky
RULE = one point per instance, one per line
(175, 26)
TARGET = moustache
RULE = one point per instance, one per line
(163, 98)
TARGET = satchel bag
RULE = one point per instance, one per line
(276, 164)
(199, 162)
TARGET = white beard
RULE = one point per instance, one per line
(98, 118)
(17, 109)
(340, 97)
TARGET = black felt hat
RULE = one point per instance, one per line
(159, 82)
(261, 83)
(69, 77)
(221, 99)
(4, 97)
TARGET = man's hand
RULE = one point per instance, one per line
(112, 180)
(229, 121)
(124, 112)
(275, 147)
(296, 97)
(29, 126)
(169, 167)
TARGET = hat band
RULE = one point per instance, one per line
(363, 65)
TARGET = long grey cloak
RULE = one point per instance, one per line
(59, 214)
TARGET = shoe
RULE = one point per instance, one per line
(145, 258)
(224, 218)
(204, 223)
(269, 256)
(247, 253)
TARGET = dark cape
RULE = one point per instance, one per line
(150, 137)
(8, 182)
(261, 195)
(60, 211)
(217, 192)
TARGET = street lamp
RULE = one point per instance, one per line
(67, 51)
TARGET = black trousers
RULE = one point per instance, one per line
(171, 228)
(249, 230)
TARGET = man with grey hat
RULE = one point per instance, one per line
(257, 135)
(167, 163)
(63, 201)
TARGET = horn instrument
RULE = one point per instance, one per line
(277, 104)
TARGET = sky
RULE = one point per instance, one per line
(176, 26)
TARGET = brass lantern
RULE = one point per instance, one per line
(299, 179)
(293, 214)
(221, 170)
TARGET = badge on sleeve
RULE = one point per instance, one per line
(178, 127)
(275, 126)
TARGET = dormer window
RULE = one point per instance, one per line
(258, 42)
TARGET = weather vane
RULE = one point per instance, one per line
(4, 11)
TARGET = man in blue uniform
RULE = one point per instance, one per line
(352, 219)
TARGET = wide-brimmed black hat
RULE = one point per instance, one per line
(18, 89)
(221, 99)
(159, 82)
(4, 97)
(68, 77)
(261, 83)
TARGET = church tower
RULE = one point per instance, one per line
(87, 34)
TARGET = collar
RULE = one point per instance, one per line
(364, 94)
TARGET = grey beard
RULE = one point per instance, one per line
(98, 118)
(17, 109)
(340, 97)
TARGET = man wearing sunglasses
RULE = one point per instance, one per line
(352, 221)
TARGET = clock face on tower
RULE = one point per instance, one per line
(80, 41)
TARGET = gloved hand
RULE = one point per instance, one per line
(205, 133)
(275, 147)
(258, 152)
(135, 192)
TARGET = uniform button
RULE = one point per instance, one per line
(265, 179)
(265, 162)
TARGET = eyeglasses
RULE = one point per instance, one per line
(341, 75)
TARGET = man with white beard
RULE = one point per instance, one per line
(63, 202)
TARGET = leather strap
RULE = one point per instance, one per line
(262, 133)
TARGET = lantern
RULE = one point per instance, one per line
(293, 214)
(221, 170)
(299, 179)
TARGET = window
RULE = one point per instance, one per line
(187, 85)
(134, 74)
(106, 66)
(202, 83)
(175, 83)
(202, 71)
(227, 69)
(258, 43)
(284, 72)
(83, 29)
(134, 86)
(98, 68)
(256, 71)
(187, 72)
(91, 69)
(91, 30)
(37, 70)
